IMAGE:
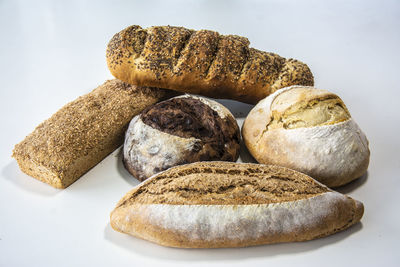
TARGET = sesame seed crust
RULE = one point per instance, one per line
(201, 62)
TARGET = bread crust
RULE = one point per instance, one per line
(201, 62)
(83, 132)
(180, 130)
(334, 152)
(165, 209)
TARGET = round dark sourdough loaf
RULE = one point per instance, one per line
(180, 130)
(223, 204)
(201, 62)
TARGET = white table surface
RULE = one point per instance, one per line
(53, 51)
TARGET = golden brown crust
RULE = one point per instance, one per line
(83, 132)
(201, 62)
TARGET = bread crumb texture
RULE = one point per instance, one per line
(299, 107)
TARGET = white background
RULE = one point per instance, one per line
(53, 51)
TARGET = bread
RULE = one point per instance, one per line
(223, 204)
(180, 130)
(83, 132)
(309, 130)
(201, 62)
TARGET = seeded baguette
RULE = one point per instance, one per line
(223, 204)
(83, 132)
(201, 62)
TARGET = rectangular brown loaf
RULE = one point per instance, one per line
(83, 132)
(223, 204)
(201, 62)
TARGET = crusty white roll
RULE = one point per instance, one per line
(309, 130)
(225, 204)
(180, 130)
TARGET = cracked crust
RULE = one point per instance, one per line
(309, 130)
(201, 62)
(222, 204)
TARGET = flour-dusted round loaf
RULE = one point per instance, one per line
(226, 204)
(309, 130)
(180, 130)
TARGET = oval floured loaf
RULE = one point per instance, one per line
(309, 130)
(224, 204)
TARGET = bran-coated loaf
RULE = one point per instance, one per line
(83, 132)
